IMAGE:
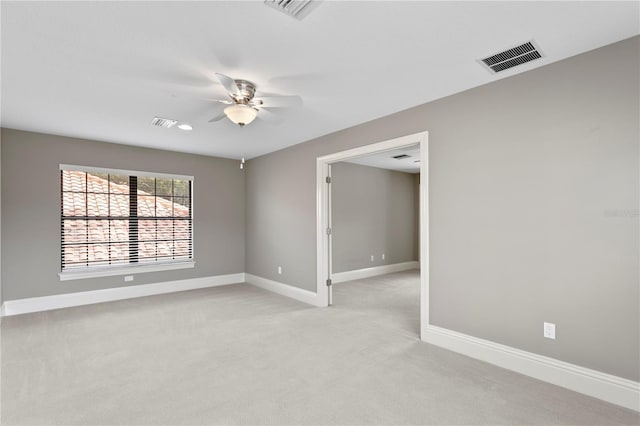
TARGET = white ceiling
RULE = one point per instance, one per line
(103, 70)
(385, 160)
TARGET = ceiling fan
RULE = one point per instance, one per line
(244, 107)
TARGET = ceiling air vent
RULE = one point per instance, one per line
(293, 8)
(510, 58)
(167, 123)
(401, 156)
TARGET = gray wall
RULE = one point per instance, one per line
(533, 184)
(373, 211)
(31, 210)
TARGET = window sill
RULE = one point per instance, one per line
(122, 270)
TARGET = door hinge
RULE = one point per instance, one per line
(328, 179)
(328, 231)
(329, 282)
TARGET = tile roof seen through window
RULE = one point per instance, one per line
(112, 199)
(162, 236)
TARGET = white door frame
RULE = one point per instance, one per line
(323, 218)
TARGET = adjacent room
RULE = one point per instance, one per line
(374, 238)
(319, 212)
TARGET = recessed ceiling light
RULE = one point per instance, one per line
(185, 126)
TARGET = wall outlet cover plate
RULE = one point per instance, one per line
(549, 330)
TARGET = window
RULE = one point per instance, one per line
(117, 221)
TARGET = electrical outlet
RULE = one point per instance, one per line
(549, 330)
(128, 278)
(372, 258)
(382, 256)
(279, 270)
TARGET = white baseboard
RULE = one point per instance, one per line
(46, 303)
(305, 296)
(607, 387)
(357, 274)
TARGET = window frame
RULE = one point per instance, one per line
(132, 267)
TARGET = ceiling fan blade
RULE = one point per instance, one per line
(279, 101)
(228, 84)
(218, 117)
(270, 117)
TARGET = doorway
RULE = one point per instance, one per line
(323, 214)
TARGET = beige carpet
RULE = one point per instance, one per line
(241, 355)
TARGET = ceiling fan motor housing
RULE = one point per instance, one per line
(247, 90)
(243, 107)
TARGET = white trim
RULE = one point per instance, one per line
(424, 249)
(323, 219)
(607, 387)
(356, 274)
(91, 169)
(46, 303)
(128, 269)
(0, 227)
(302, 295)
(388, 145)
(322, 239)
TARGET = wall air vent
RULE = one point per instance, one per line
(167, 123)
(510, 58)
(296, 8)
(401, 156)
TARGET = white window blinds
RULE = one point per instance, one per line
(113, 218)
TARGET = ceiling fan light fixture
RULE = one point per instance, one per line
(240, 114)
